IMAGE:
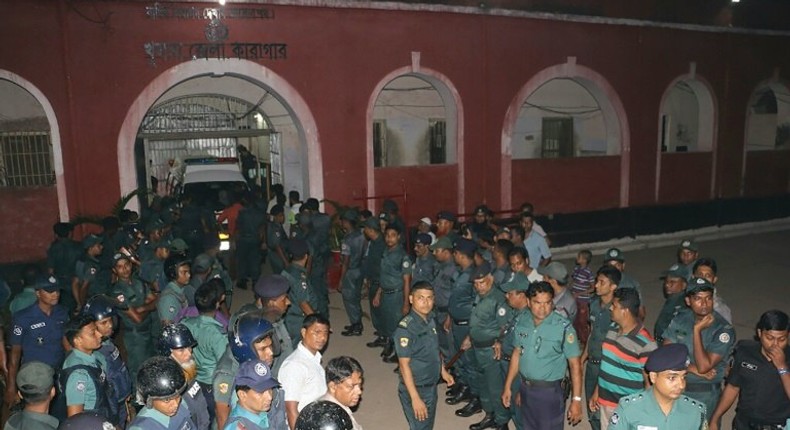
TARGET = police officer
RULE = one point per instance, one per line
(546, 345)
(425, 262)
(393, 297)
(351, 251)
(662, 406)
(254, 386)
(688, 252)
(160, 383)
(501, 264)
(318, 238)
(36, 382)
(276, 239)
(460, 304)
(216, 269)
(515, 289)
(83, 379)
(177, 343)
(136, 315)
(62, 256)
(303, 301)
(758, 377)
(86, 272)
(152, 269)
(606, 282)
(251, 337)
(172, 300)
(371, 272)
(417, 347)
(153, 232)
(445, 226)
(102, 309)
(674, 285)
(444, 274)
(250, 231)
(486, 322)
(323, 415)
(37, 333)
(699, 324)
(271, 298)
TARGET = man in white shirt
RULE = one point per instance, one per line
(344, 384)
(301, 374)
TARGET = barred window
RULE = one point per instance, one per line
(26, 159)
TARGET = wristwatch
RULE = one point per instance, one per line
(576, 398)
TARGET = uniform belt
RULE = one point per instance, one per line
(400, 290)
(701, 388)
(427, 385)
(484, 344)
(594, 360)
(442, 309)
(505, 357)
(461, 322)
(540, 384)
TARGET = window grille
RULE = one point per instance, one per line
(26, 159)
(380, 143)
(557, 138)
(438, 141)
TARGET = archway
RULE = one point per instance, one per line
(615, 133)
(303, 167)
(687, 135)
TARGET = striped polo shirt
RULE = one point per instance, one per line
(623, 359)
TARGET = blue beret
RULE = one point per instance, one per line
(674, 356)
(466, 247)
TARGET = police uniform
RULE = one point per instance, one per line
(211, 345)
(197, 405)
(417, 339)
(275, 236)
(423, 268)
(152, 271)
(88, 270)
(256, 375)
(171, 302)
(318, 238)
(395, 264)
(515, 282)
(460, 305)
(443, 282)
(545, 350)
(62, 257)
(299, 292)
(24, 299)
(151, 419)
(117, 377)
(24, 420)
(762, 402)
(600, 322)
(719, 339)
(486, 321)
(86, 383)
(353, 247)
(40, 335)
(371, 270)
(33, 379)
(672, 306)
(249, 255)
(217, 270)
(136, 336)
(640, 411)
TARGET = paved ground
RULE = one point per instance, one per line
(753, 274)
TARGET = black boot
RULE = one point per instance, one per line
(392, 358)
(378, 342)
(502, 426)
(389, 348)
(453, 391)
(461, 395)
(470, 409)
(354, 330)
(487, 422)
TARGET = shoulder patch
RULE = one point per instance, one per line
(405, 264)
(615, 418)
(17, 330)
(501, 312)
(724, 337)
(571, 338)
(80, 386)
(404, 342)
(120, 298)
(223, 388)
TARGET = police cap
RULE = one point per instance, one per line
(271, 286)
(674, 356)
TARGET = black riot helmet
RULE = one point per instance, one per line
(100, 307)
(159, 378)
(323, 415)
(175, 336)
(90, 420)
(172, 264)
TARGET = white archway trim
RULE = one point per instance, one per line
(241, 68)
(54, 135)
(615, 118)
(452, 104)
(707, 122)
(778, 86)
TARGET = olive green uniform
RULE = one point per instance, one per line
(352, 247)
(508, 341)
(600, 322)
(62, 257)
(672, 306)
(486, 322)
(417, 339)
(371, 270)
(136, 337)
(24, 420)
(300, 292)
(275, 237)
(461, 301)
(395, 264)
(443, 280)
(719, 339)
(640, 411)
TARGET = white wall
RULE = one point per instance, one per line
(682, 107)
(18, 104)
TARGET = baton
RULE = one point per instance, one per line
(454, 358)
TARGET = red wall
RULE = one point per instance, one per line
(685, 177)
(28, 215)
(767, 173)
(92, 72)
(548, 184)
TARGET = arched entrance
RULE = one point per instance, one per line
(686, 140)
(278, 105)
(591, 117)
(767, 140)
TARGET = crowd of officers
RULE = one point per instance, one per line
(133, 327)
